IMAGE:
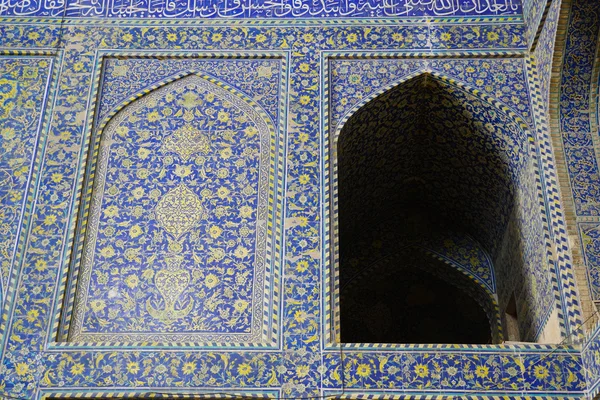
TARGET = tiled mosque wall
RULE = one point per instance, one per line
(301, 79)
(210, 146)
(533, 15)
(24, 86)
(574, 141)
(544, 51)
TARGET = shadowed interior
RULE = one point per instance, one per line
(428, 160)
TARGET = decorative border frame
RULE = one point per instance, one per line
(375, 395)
(175, 393)
(63, 305)
(330, 303)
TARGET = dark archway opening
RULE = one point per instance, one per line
(414, 163)
(407, 299)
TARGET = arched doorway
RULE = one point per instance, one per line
(428, 159)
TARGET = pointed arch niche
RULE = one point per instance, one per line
(438, 221)
(177, 223)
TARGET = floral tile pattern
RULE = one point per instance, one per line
(177, 235)
(303, 78)
(24, 83)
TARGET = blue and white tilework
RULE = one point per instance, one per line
(575, 115)
(24, 82)
(259, 87)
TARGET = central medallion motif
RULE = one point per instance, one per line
(179, 211)
(187, 141)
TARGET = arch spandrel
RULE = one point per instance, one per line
(175, 244)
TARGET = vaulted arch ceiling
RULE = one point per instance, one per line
(429, 161)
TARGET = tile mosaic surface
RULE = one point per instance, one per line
(305, 362)
(575, 113)
(24, 83)
(533, 13)
(177, 236)
(544, 51)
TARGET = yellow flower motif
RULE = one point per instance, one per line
(482, 371)
(41, 265)
(189, 368)
(133, 367)
(397, 37)
(107, 252)
(132, 254)
(303, 137)
(352, 38)
(56, 177)
(244, 369)
(111, 211)
(153, 116)
(223, 116)
(226, 153)
(97, 305)
(215, 231)
(302, 370)
(241, 252)
(171, 37)
(182, 171)
(132, 281)
(300, 316)
(211, 281)
(22, 369)
(246, 211)
(32, 315)
(308, 37)
(223, 173)
(216, 37)
(302, 266)
(260, 38)
(143, 153)
(77, 369)
(250, 131)
(363, 370)
(540, 372)
(122, 130)
(240, 305)
(135, 231)
(49, 220)
(492, 36)
(218, 254)
(8, 133)
(445, 36)
(304, 179)
(222, 192)
(127, 37)
(302, 221)
(304, 67)
(304, 100)
(421, 370)
(138, 193)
